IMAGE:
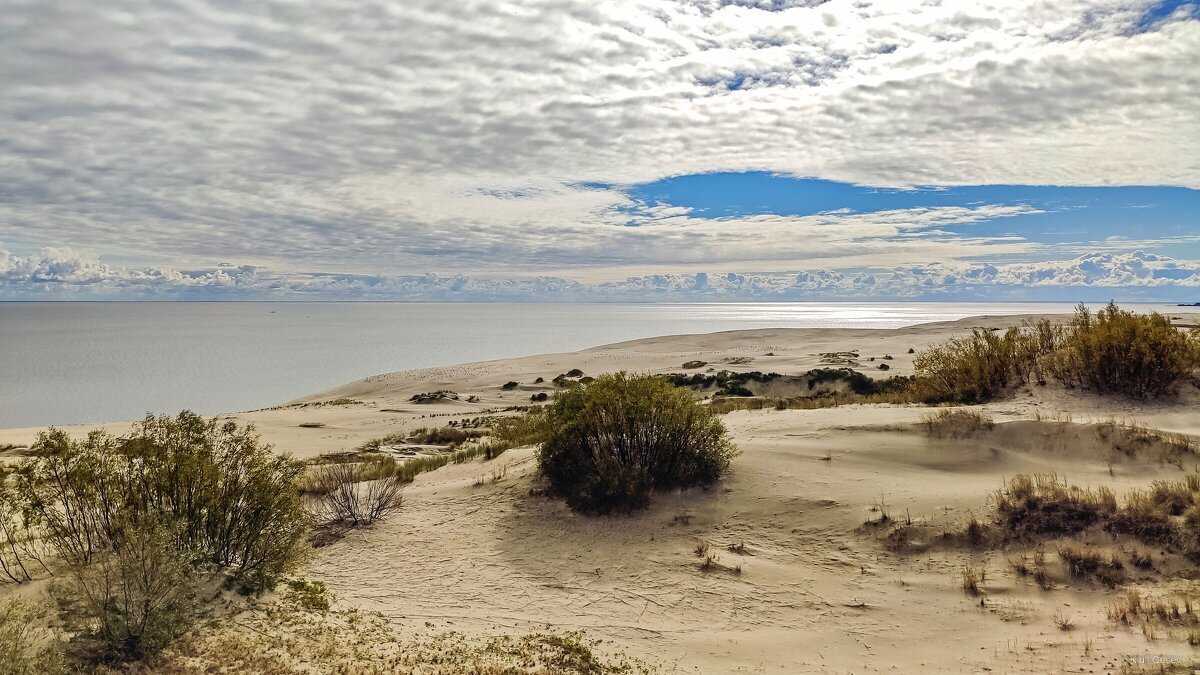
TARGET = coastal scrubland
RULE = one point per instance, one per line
(1027, 485)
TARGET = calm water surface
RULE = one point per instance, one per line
(63, 363)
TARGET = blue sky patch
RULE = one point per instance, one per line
(1068, 214)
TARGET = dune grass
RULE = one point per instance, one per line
(956, 423)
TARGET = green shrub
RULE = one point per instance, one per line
(27, 644)
(452, 436)
(613, 442)
(1111, 352)
(972, 369)
(1116, 351)
(225, 494)
(133, 600)
(308, 595)
(518, 430)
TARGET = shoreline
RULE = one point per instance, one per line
(383, 398)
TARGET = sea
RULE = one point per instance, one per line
(84, 362)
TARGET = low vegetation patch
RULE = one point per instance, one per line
(28, 645)
(1044, 505)
(434, 396)
(286, 637)
(727, 383)
(612, 443)
(1084, 562)
(447, 436)
(1113, 351)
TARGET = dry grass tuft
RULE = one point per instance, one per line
(973, 577)
(1087, 563)
(1061, 621)
(956, 423)
(1043, 504)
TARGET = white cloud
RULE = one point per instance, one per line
(403, 135)
(59, 274)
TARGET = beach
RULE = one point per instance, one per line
(821, 551)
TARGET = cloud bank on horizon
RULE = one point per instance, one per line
(600, 150)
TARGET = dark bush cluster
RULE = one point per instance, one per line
(434, 396)
(726, 382)
(612, 443)
(857, 382)
(447, 435)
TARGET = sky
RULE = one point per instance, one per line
(600, 150)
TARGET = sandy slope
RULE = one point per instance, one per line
(477, 549)
(473, 550)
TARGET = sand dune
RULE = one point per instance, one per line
(801, 580)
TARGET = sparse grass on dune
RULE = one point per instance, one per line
(373, 466)
(1129, 437)
(956, 423)
(1173, 612)
(287, 638)
(503, 433)
(726, 405)
(1044, 507)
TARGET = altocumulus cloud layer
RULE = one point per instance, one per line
(414, 149)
